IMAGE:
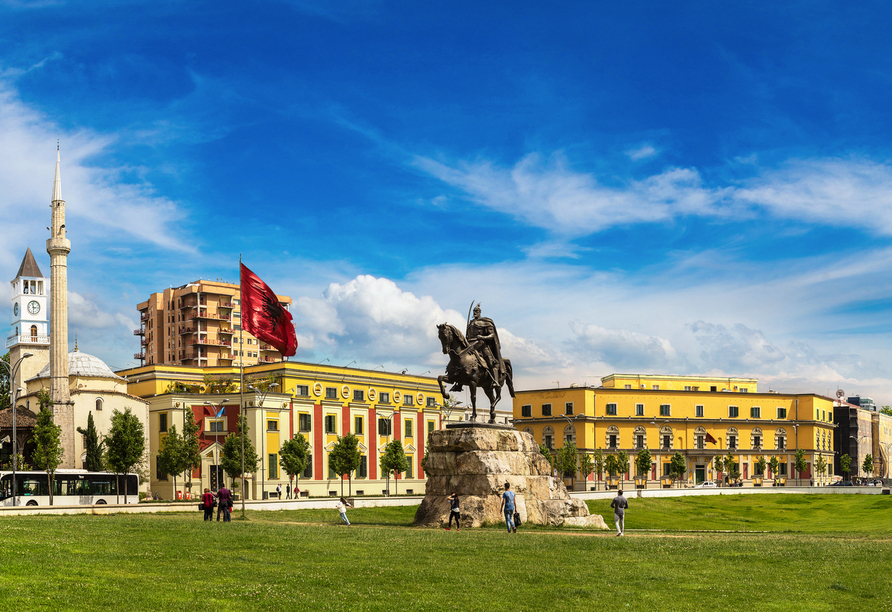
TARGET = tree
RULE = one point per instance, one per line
(799, 462)
(345, 457)
(566, 461)
(93, 445)
(886, 410)
(546, 452)
(867, 465)
(47, 440)
(586, 466)
(599, 466)
(677, 466)
(171, 456)
(294, 456)
(231, 458)
(191, 444)
(611, 465)
(718, 465)
(845, 462)
(622, 464)
(761, 465)
(820, 465)
(774, 463)
(731, 467)
(125, 444)
(643, 463)
(393, 461)
(4, 382)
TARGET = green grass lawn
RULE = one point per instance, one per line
(820, 553)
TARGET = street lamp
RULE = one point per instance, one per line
(12, 369)
(659, 461)
(263, 395)
(218, 410)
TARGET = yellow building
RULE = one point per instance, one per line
(698, 417)
(321, 402)
(198, 324)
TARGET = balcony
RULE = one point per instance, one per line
(209, 342)
(140, 356)
(267, 360)
(139, 332)
(208, 315)
(228, 332)
(224, 305)
(192, 302)
(267, 347)
(186, 330)
(143, 316)
(28, 339)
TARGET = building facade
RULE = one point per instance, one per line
(698, 417)
(199, 324)
(320, 402)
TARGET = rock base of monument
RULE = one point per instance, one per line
(476, 462)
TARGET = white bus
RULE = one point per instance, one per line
(70, 488)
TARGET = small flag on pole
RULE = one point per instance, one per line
(263, 316)
(222, 410)
(710, 439)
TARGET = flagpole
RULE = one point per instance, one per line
(241, 385)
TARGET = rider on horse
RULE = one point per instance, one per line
(484, 341)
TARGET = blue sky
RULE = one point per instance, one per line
(626, 187)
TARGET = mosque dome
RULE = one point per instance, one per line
(83, 365)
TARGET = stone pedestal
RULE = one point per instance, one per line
(476, 462)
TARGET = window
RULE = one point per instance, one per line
(430, 427)
(331, 472)
(408, 429)
(612, 440)
(272, 425)
(331, 393)
(308, 471)
(700, 442)
(639, 441)
(656, 387)
(384, 398)
(215, 426)
(698, 411)
(358, 395)
(526, 411)
(431, 402)
(162, 422)
(303, 422)
(408, 400)
(744, 390)
(384, 427)
(273, 466)
(159, 473)
(757, 441)
(546, 409)
(611, 409)
(568, 408)
(363, 471)
(639, 409)
(357, 425)
(757, 469)
(781, 443)
(410, 472)
(755, 412)
(732, 441)
(782, 469)
(665, 410)
(713, 389)
(331, 424)
(732, 412)
(548, 441)
(829, 415)
(98, 403)
(781, 413)
(687, 388)
(628, 386)
(667, 441)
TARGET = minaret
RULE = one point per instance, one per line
(58, 247)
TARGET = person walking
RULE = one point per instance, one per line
(508, 508)
(279, 491)
(454, 512)
(224, 498)
(207, 501)
(619, 505)
(342, 508)
(288, 491)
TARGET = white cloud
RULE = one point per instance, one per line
(550, 195)
(623, 349)
(643, 152)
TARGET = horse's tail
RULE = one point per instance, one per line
(509, 378)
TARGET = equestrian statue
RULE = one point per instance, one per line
(476, 361)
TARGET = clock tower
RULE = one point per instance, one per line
(29, 332)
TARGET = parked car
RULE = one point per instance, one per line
(841, 483)
(706, 484)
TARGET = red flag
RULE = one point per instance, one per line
(263, 316)
(710, 439)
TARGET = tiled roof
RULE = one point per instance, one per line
(29, 266)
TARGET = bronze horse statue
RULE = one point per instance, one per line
(467, 367)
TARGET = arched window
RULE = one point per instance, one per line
(528, 430)
(33, 333)
(780, 438)
(569, 434)
(640, 439)
(666, 438)
(756, 438)
(700, 438)
(732, 438)
(548, 437)
(612, 439)
(98, 404)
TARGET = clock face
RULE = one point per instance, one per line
(15, 310)
(33, 307)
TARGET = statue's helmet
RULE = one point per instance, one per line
(477, 309)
